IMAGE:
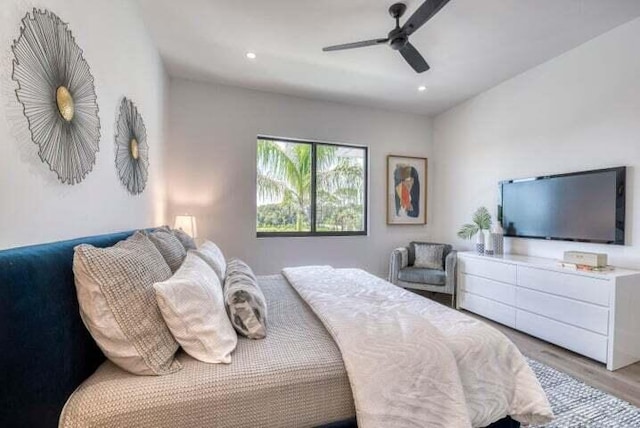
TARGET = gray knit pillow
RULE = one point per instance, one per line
(169, 246)
(428, 256)
(244, 300)
(187, 241)
(118, 304)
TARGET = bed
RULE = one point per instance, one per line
(294, 377)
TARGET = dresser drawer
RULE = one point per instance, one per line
(488, 308)
(584, 342)
(489, 288)
(578, 287)
(489, 269)
(579, 314)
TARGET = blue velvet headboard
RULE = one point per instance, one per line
(45, 350)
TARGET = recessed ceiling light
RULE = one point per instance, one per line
(422, 88)
(251, 55)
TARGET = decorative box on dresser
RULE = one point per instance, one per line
(596, 314)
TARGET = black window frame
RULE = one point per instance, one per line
(312, 214)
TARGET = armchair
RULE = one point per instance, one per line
(403, 273)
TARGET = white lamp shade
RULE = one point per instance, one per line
(187, 223)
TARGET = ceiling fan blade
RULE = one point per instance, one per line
(422, 15)
(355, 45)
(413, 57)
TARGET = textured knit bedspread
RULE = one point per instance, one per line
(415, 363)
(294, 377)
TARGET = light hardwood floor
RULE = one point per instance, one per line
(623, 383)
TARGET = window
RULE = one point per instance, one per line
(309, 188)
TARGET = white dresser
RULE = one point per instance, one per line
(593, 314)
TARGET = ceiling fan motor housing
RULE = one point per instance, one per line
(397, 39)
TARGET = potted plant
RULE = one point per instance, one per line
(481, 221)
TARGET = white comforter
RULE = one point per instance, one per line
(414, 363)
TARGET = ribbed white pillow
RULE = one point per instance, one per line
(211, 253)
(192, 305)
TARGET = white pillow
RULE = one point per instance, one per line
(210, 253)
(192, 305)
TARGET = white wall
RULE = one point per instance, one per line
(576, 112)
(211, 170)
(36, 207)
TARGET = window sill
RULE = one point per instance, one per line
(307, 234)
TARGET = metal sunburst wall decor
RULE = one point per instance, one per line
(132, 150)
(57, 92)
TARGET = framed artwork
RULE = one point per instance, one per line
(406, 190)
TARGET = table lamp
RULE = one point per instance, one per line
(187, 223)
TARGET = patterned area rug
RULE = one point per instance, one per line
(576, 404)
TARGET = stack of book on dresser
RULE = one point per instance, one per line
(580, 260)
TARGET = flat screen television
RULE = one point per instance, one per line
(586, 206)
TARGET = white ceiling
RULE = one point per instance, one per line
(471, 45)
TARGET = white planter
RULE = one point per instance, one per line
(480, 242)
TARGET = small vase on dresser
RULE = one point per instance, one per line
(488, 243)
(497, 235)
(480, 242)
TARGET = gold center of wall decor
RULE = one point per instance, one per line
(134, 149)
(65, 103)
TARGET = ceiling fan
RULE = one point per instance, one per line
(398, 38)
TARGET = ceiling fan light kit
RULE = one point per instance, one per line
(398, 38)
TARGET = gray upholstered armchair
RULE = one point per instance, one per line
(403, 273)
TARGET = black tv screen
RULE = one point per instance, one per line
(584, 206)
